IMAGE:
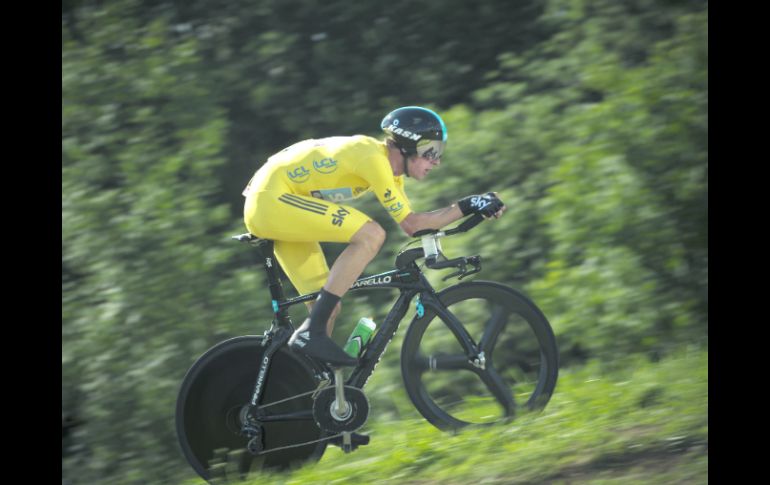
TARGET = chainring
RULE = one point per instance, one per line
(328, 420)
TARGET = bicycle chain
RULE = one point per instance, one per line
(263, 406)
(299, 444)
(298, 396)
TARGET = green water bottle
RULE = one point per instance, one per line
(360, 337)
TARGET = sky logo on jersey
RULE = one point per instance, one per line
(299, 174)
(339, 217)
(326, 165)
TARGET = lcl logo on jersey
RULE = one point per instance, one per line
(326, 165)
(396, 207)
(299, 174)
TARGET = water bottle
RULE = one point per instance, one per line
(360, 337)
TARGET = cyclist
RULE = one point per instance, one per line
(298, 198)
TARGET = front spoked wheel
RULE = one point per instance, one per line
(515, 368)
(214, 397)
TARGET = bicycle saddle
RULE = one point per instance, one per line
(247, 238)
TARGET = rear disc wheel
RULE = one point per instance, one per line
(212, 405)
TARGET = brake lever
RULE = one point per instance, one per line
(474, 261)
(463, 272)
(477, 269)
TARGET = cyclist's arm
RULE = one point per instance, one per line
(417, 221)
(389, 191)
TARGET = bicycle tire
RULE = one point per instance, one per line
(523, 355)
(218, 385)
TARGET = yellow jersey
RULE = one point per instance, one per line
(335, 169)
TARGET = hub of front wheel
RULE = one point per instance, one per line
(480, 361)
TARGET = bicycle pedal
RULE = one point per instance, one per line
(356, 440)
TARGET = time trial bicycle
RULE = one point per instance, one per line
(476, 352)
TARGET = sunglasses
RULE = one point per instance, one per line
(430, 149)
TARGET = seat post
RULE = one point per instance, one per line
(273, 276)
(265, 248)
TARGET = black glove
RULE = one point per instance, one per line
(486, 205)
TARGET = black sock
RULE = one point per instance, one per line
(319, 345)
(322, 310)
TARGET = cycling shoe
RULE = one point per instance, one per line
(320, 347)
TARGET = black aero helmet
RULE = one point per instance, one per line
(416, 131)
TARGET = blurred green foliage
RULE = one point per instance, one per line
(589, 118)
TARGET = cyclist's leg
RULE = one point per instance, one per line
(289, 217)
(305, 265)
(363, 247)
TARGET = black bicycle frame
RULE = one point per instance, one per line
(409, 281)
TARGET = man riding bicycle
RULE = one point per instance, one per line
(296, 199)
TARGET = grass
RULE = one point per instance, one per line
(607, 423)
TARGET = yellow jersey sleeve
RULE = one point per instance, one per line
(388, 189)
